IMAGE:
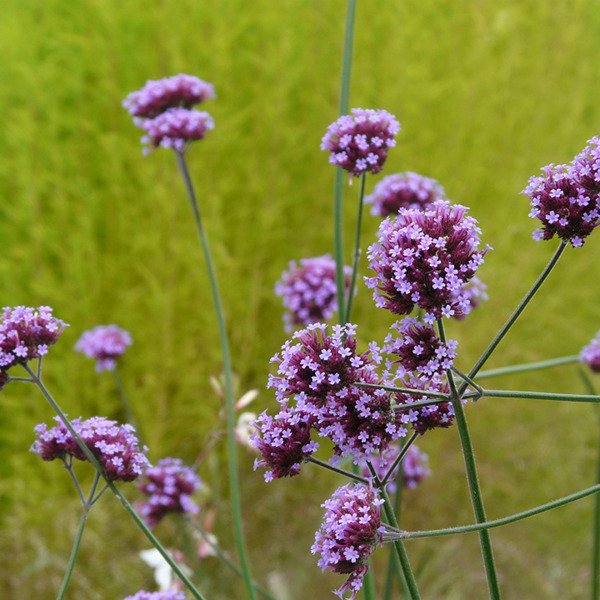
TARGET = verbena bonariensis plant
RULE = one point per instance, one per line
(372, 404)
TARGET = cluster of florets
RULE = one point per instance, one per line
(114, 446)
(309, 290)
(472, 294)
(163, 109)
(590, 354)
(350, 531)
(360, 142)
(157, 96)
(585, 167)
(324, 375)
(419, 349)
(25, 334)
(414, 467)
(166, 595)
(425, 258)
(169, 485)
(404, 190)
(105, 343)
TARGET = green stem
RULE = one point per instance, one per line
(231, 444)
(125, 403)
(544, 364)
(138, 520)
(73, 557)
(473, 480)
(356, 246)
(338, 190)
(337, 470)
(540, 396)
(408, 535)
(401, 390)
(398, 459)
(517, 313)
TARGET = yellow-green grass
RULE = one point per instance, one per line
(486, 92)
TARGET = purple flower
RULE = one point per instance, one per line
(169, 485)
(404, 190)
(565, 208)
(471, 295)
(176, 128)
(585, 167)
(166, 595)
(114, 446)
(283, 442)
(425, 258)
(360, 142)
(25, 334)
(309, 290)
(158, 96)
(414, 467)
(349, 534)
(105, 343)
(590, 354)
(419, 349)
(314, 364)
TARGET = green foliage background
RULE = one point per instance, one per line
(486, 92)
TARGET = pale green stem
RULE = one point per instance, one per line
(415, 392)
(473, 480)
(230, 402)
(74, 551)
(544, 364)
(356, 247)
(540, 396)
(138, 520)
(126, 406)
(399, 458)
(337, 470)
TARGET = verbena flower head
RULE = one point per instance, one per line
(472, 294)
(585, 168)
(166, 595)
(360, 142)
(349, 534)
(176, 128)
(169, 486)
(590, 354)
(105, 343)
(177, 91)
(309, 290)
(419, 349)
(114, 446)
(414, 467)
(283, 442)
(424, 258)
(313, 363)
(565, 208)
(404, 190)
(26, 334)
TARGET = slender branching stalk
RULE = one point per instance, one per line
(356, 247)
(544, 364)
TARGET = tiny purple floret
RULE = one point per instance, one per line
(105, 343)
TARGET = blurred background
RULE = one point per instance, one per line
(487, 93)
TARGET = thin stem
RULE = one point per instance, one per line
(517, 313)
(337, 470)
(540, 396)
(338, 190)
(473, 480)
(356, 246)
(543, 364)
(399, 458)
(88, 454)
(73, 557)
(467, 379)
(69, 466)
(409, 535)
(125, 402)
(231, 444)
(403, 390)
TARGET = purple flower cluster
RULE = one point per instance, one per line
(105, 343)
(566, 198)
(114, 446)
(360, 142)
(169, 485)
(590, 354)
(166, 595)
(350, 531)
(419, 349)
(163, 109)
(404, 190)
(323, 373)
(425, 258)
(309, 290)
(25, 334)
(158, 96)
(414, 467)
